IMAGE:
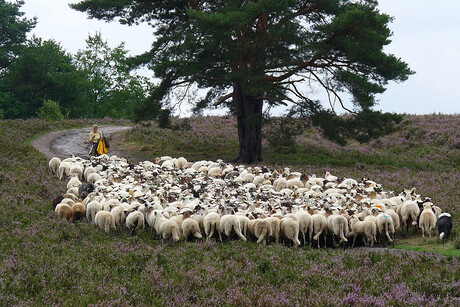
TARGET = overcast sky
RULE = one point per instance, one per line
(426, 35)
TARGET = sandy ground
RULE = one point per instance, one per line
(63, 144)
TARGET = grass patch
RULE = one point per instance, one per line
(45, 261)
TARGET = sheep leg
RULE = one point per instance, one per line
(354, 240)
(238, 232)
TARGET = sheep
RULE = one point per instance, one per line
(70, 202)
(87, 171)
(275, 225)
(135, 221)
(228, 223)
(76, 169)
(305, 225)
(91, 209)
(74, 182)
(437, 211)
(73, 191)
(54, 165)
(279, 184)
(337, 226)
(84, 189)
(444, 226)
(180, 162)
(56, 200)
(64, 170)
(319, 227)
(289, 228)
(427, 220)
(190, 227)
(211, 224)
(259, 229)
(164, 227)
(71, 196)
(385, 226)
(93, 177)
(63, 211)
(78, 212)
(105, 220)
(366, 229)
(119, 215)
(244, 221)
(409, 213)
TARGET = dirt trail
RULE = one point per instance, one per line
(63, 144)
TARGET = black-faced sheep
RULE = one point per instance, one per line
(85, 188)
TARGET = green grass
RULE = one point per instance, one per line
(45, 261)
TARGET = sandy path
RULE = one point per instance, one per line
(63, 144)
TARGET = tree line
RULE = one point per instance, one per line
(95, 82)
(246, 55)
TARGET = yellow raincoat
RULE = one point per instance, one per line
(101, 148)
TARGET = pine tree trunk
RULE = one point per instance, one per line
(249, 118)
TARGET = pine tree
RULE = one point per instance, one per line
(248, 54)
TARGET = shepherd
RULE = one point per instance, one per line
(94, 136)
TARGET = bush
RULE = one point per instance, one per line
(2, 113)
(50, 110)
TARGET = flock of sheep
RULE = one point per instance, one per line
(184, 200)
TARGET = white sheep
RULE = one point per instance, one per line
(337, 226)
(87, 171)
(180, 162)
(259, 229)
(366, 229)
(385, 226)
(135, 221)
(64, 170)
(280, 184)
(93, 177)
(74, 182)
(228, 223)
(427, 219)
(119, 215)
(409, 213)
(190, 227)
(73, 191)
(211, 224)
(76, 169)
(92, 208)
(54, 165)
(105, 220)
(165, 228)
(275, 227)
(289, 228)
(305, 225)
(319, 227)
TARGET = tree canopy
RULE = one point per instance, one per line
(248, 54)
(113, 90)
(13, 30)
(42, 71)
